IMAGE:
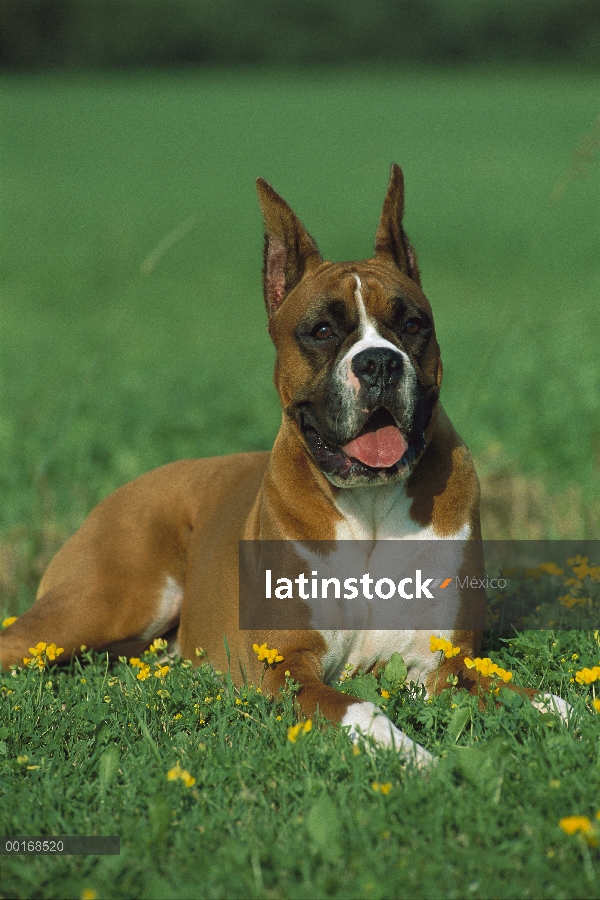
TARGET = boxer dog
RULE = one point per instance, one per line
(365, 452)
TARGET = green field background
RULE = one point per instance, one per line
(122, 348)
(108, 370)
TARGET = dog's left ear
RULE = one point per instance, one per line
(391, 242)
(289, 253)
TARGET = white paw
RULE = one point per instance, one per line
(551, 703)
(366, 720)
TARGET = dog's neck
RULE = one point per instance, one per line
(326, 512)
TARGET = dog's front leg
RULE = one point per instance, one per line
(362, 718)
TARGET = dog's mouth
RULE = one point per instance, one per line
(380, 449)
(380, 444)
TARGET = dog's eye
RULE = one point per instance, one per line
(412, 326)
(322, 331)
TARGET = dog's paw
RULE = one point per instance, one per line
(550, 703)
(365, 719)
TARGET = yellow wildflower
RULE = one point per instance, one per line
(177, 773)
(136, 661)
(446, 647)
(300, 728)
(9, 621)
(573, 824)
(161, 671)
(384, 788)
(264, 654)
(551, 568)
(89, 894)
(587, 676)
(385, 694)
(487, 668)
(596, 705)
(144, 673)
(52, 651)
(157, 645)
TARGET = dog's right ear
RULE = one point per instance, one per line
(289, 252)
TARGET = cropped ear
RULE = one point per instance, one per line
(391, 242)
(289, 252)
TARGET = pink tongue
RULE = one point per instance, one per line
(378, 449)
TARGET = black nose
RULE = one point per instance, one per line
(378, 367)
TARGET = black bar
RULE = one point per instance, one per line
(70, 845)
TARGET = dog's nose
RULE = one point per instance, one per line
(378, 366)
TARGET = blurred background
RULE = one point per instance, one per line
(127, 33)
(132, 322)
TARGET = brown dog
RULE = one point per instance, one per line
(365, 452)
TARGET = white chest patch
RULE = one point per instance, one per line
(371, 515)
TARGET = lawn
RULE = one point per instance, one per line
(133, 333)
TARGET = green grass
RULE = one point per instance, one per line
(106, 372)
(271, 818)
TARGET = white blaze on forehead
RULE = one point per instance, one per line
(368, 337)
(368, 334)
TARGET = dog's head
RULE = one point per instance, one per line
(358, 367)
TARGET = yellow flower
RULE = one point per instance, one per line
(300, 728)
(161, 671)
(551, 568)
(264, 654)
(384, 788)
(596, 705)
(385, 694)
(487, 668)
(9, 621)
(136, 661)
(573, 824)
(52, 651)
(587, 676)
(177, 773)
(446, 647)
(157, 645)
(89, 894)
(144, 673)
